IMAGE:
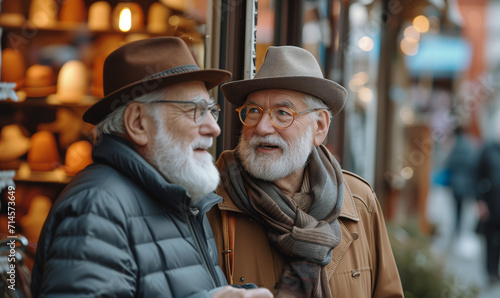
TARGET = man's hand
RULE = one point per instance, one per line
(231, 292)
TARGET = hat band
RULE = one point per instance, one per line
(175, 70)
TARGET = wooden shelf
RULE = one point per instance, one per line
(25, 174)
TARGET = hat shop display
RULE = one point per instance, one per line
(40, 81)
(43, 154)
(124, 82)
(292, 68)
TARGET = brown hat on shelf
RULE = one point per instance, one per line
(13, 143)
(78, 156)
(292, 68)
(13, 67)
(43, 154)
(72, 82)
(99, 16)
(73, 12)
(144, 66)
(40, 81)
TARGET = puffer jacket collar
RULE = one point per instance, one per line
(119, 154)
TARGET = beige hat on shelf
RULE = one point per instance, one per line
(78, 156)
(13, 67)
(43, 154)
(72, 82)
(40, 81)
(73, 12)
(99, 16)
(43, 13)
(32, 222)
(13, 143)
(158, 15)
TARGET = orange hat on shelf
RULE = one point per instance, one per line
(43, 154)
(13, 67)
(73, 12)
(72, 82)
(99, 16)
(13, 143)
(158, 15)
(40, 81)
(43, 13)
(32, 222)
(78, 156)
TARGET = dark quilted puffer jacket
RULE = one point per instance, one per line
(120, 230)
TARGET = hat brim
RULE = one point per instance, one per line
(122, 96)
(331, 93)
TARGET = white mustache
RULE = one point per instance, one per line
(269, 139)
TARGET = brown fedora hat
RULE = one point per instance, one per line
(292, 68)
(143, 66)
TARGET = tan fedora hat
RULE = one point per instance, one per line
(292, 68)
(143, 66)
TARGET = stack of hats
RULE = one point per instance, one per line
(72, 82)
(32, 222)
(13, 67)
(73, 12)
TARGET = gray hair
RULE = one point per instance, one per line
(114, 122)
(314, 102)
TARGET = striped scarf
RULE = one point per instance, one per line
(305, 238)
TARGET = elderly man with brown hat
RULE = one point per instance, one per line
(292, 220)
(133, 223)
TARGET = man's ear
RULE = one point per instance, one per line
(135, 119)
(322, 126)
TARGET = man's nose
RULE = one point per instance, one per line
(210, 127)
(265, 125)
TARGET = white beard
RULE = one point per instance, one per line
(177, 162)
(272, 168)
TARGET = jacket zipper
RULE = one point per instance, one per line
(198, 242)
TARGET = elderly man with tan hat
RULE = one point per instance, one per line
(292, 220)
(133, 223)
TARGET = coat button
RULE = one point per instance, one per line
(242, 279)
(355, 273)
(355, 235)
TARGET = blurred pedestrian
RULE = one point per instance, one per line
(488, 195)
(461, 163)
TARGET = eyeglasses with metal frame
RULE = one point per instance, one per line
(201, 106)
(281, 116)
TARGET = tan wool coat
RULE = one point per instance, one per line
(362, 264)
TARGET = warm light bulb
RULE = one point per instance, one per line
(125, 22)
(421, 23)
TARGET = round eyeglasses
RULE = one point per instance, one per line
(281, 116)
(201, 106)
